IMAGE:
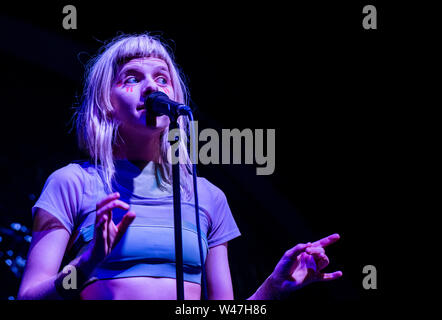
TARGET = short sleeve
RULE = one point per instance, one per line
(62, 195)
(223, 227)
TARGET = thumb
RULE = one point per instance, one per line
(288, 262)
(128, 218)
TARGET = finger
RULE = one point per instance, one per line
(126, 221)
(317, 253)
(101, 231)
(112, 205)
(308, 261)
(296, 250)
(108, 214)
(101, 223)
(327, 240)
(128, 218)
(107, 199)
(331, 276)
(315, 250)
(321, 260)
(287, 263)
(103, 202)
(99, 227)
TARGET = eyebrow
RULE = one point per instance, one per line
(129, 69)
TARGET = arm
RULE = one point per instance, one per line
(266, 291)
(49, 241)
(219, 282)
(48, 246)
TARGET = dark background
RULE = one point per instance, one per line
(338, 96)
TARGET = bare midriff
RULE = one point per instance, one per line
(139, 288)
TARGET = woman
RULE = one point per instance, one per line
(112, 218)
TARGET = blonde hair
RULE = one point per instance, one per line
(97, 130)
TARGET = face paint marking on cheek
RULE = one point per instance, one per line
(166, 90)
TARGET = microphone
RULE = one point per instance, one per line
(158, 104)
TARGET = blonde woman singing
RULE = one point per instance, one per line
(111, 217)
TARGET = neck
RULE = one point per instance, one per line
(140, 150)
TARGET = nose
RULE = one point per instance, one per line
(149, 87)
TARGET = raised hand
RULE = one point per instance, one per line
(106, 233)
(308, 264)
(300, 265)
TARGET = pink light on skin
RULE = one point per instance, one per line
(128, 89)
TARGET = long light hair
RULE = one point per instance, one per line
(97, 129)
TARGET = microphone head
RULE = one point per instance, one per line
(158, 103)
(154, 103)
(153, 96)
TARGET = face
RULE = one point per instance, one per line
(134, 81)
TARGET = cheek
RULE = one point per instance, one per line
(166, 90)
(169, 91)
(122, 98)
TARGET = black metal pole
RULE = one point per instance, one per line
(177, 215)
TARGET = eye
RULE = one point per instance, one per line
(131, 80)
(162, 80)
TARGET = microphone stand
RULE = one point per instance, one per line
(159, 104)
(177, 214)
